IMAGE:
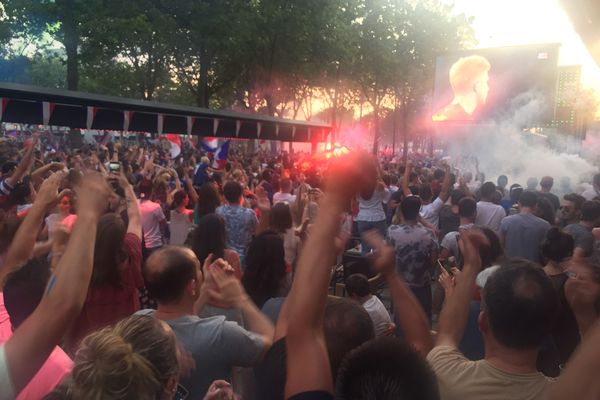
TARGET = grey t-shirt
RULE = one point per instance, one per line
(216, 345)
(583, 237)
(523, 235)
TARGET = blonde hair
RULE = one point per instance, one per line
(464, 72)
(134, 359)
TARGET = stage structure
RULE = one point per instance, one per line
(32, 105)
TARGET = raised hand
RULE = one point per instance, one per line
(469, 243)
(48, 194)
(228, 289)
(263, 202)
(384, 256)
(93, 194)
(220, 390)
(446, 282)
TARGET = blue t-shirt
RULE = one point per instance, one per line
(216, 345)
(414, 245)
(201, 175)
(240, 223)
(523, 234)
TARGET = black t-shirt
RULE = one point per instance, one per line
(315, 395)
(270, 374)
(449, 222)
(552, 198)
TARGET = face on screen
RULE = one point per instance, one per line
(482, 88)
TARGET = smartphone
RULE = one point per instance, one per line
(181, 393)
(114, 167)
(442, 267)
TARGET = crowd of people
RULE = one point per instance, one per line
(126, 274)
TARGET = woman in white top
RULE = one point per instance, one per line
(371, 214)
(181, 219)
(64, 216)
(280, 221)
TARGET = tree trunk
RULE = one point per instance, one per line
(71, 42)
(203, 95)
(394, 126)
(405, 133)
(375, 130)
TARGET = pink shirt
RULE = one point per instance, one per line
(52, 372)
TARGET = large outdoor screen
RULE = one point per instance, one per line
(474, 86)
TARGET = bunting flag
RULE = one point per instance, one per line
(160, 120)
(127, 116)
(190, 124)
(175, 141)
(216, 123)
(3, 104)
(276, 130)
(258, 129)
(91, 114)
(238, 125)
(293, 132)
(47, 110)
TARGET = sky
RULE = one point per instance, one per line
(518, 22)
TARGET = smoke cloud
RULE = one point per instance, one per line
(502, 147)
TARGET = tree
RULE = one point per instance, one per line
(64, 20)
(373, 68)
(206, 43)
(135, 34)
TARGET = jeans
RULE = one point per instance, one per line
(365, 226)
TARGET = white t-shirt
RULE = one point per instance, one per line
(372, 209)
(280, 197)
(431, 212)
(590, 194)
(489, 215)
(53, 220)
(179, 226)
(152, 215)
(450, 242)
(379, 315)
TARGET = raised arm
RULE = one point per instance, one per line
(35, 339)
(308, 367)
(580, 379)
(307, 360)
(445, 192)
(21, 247)
(406, 179)
(39, 173)
(190, 187)
(453, 317)
(410, 313)
(133, 208)
(264, 205)
(254, 320)
(24, 165)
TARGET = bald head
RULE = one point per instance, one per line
(169, 271)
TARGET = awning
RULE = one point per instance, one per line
(26, 104)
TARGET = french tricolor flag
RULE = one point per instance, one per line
(221, 155)
(209, 144)
(175, 144)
